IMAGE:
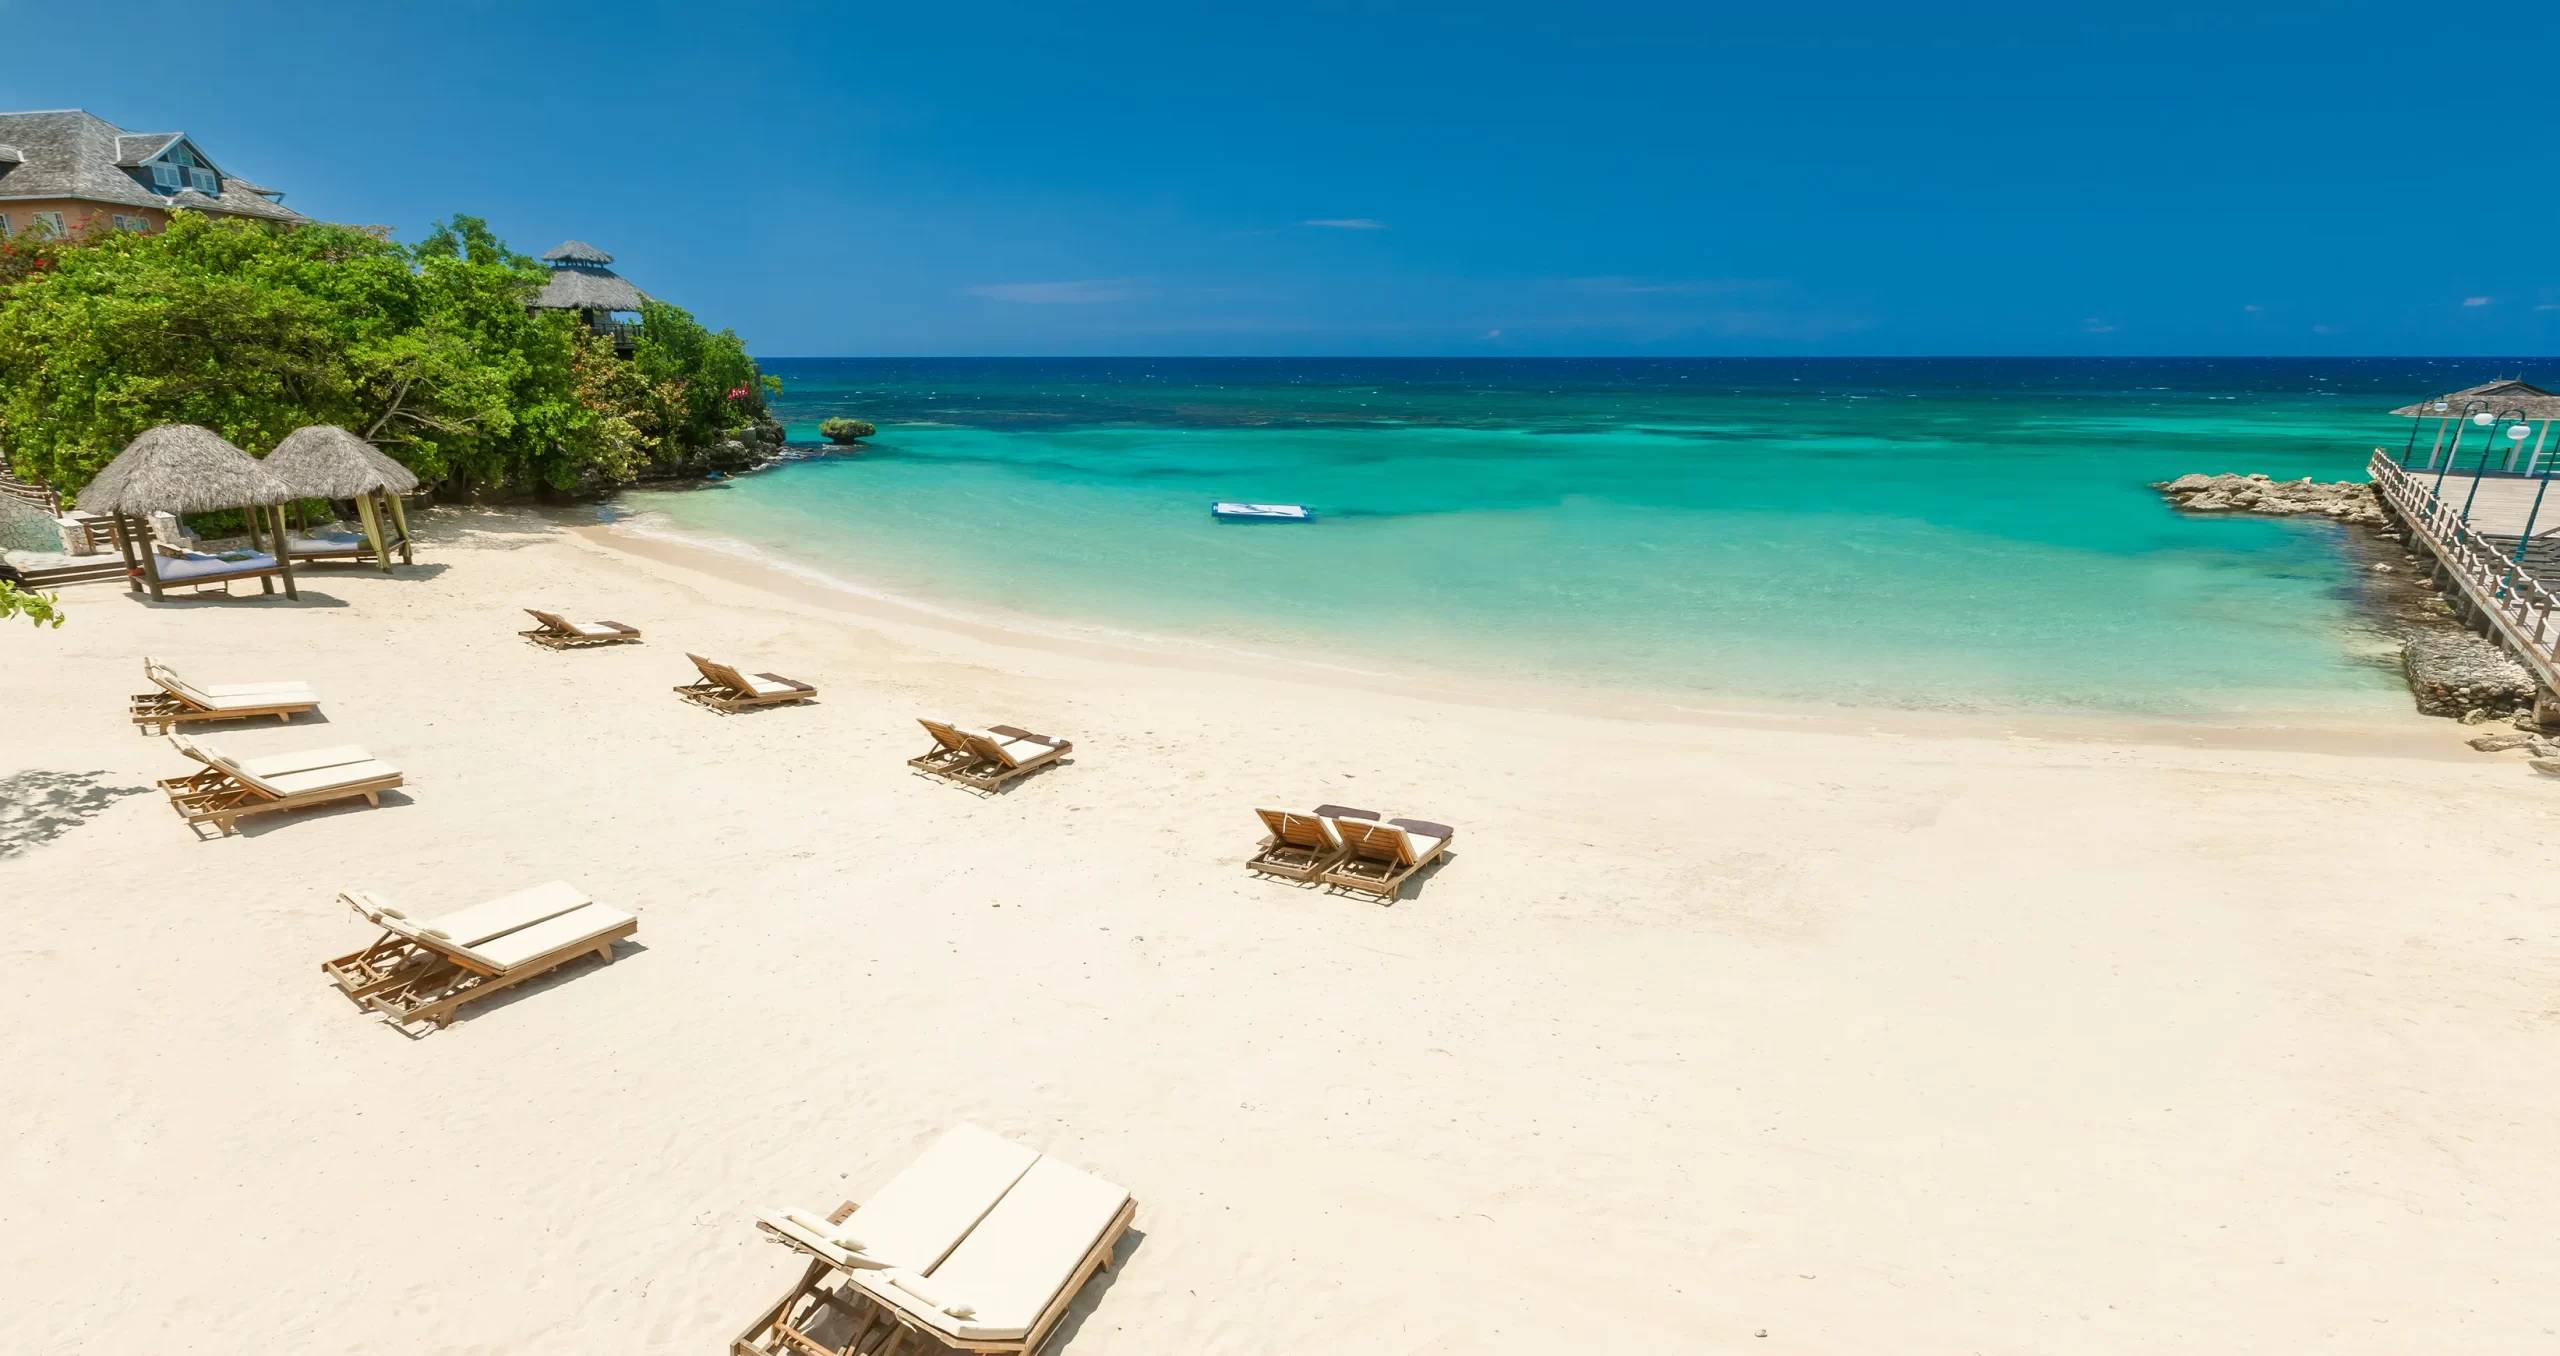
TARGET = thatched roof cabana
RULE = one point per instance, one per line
(576, 252)
(181, 468)
(324, 461)
(186, 468)
(2493, 398)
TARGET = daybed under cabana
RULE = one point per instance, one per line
(323, 461)
(186, 468)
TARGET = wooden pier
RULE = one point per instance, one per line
(2494, 591)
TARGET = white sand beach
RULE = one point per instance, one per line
(1844, 1032)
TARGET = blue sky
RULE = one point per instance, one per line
(1324, 178)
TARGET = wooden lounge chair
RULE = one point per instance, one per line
(179, 700)
(560, 633)
(422, 969)
(1002, 753)
(1303, 844)
(1379, 858)
(1002, 1288)
(725, 689)
(229, 788)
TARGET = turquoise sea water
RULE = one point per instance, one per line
(1964, 534)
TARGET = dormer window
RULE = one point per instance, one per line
(205, 183)
(168, 178)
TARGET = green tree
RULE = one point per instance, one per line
(39, 608)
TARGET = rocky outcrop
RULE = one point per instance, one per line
(2347, 501)
(2455, 673)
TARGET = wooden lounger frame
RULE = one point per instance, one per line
(879, 1330)
(557, 633)
(724, 689)
(216, 796)
(1358, 874)
(990, 771)
(1292, 860)
(162, 711)
(412, 979)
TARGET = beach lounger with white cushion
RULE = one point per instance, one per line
(1001, 1288)
(178, 701)
(725, 689)
(1001, 753)
(950, 750)
(229, 787)
(915, 1219)
(423, 969)
(1303, 843)
(560, 633)
(1379, 858)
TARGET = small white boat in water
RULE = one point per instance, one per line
(1262, 513)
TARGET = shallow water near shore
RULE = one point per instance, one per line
(1940, 534)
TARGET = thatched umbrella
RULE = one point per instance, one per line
(184, 468)
(324, 461)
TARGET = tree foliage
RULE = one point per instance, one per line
(40, 608)
(427, 350)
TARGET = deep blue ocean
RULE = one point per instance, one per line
(1941, 533)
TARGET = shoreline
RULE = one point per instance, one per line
(2272, 729)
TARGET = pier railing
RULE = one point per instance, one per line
(2521, 607)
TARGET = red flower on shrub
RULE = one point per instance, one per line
(738, 394)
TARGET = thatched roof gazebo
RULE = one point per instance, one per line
(186, 468)
(323, 461)
(583, 280)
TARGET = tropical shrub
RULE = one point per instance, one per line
(845, 430)
(427, 350)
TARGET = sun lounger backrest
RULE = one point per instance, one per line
(550, 621)
(1025, 1251)
(724, 675)
(197, 749)
(1299, 830)
(1382, 842)
(944, 735)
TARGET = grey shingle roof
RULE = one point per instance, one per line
(68, 153)
(2492, 397)
(9, 156)
(588, 289)
(133, 148)
(576, 252)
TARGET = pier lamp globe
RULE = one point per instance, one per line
(2484, 419)
(2516, 433)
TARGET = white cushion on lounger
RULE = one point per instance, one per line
(584, 923)
(505, 914)
(916, 1217)
(326, 778)
(307, 760)
(1018, 1258)
(764, 688)
(1422, 847)
(591, 629)
(239, 701)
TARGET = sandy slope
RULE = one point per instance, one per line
(1875, 1034)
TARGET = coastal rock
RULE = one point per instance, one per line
(2346, 501)
(2451, 672)
(2546, 765)
(2500, 743)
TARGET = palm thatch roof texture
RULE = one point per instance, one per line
(587, 289)
(182, 468)
(324, 461)
(2494, 397)
(576, 252)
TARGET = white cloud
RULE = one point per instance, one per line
(2251, 306)
(1617, 285)
(2328, 329)
(1347, 223)
(2093, 325)
(1059, 293)
(2475, 301)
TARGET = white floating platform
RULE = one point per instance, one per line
(1267, 513)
